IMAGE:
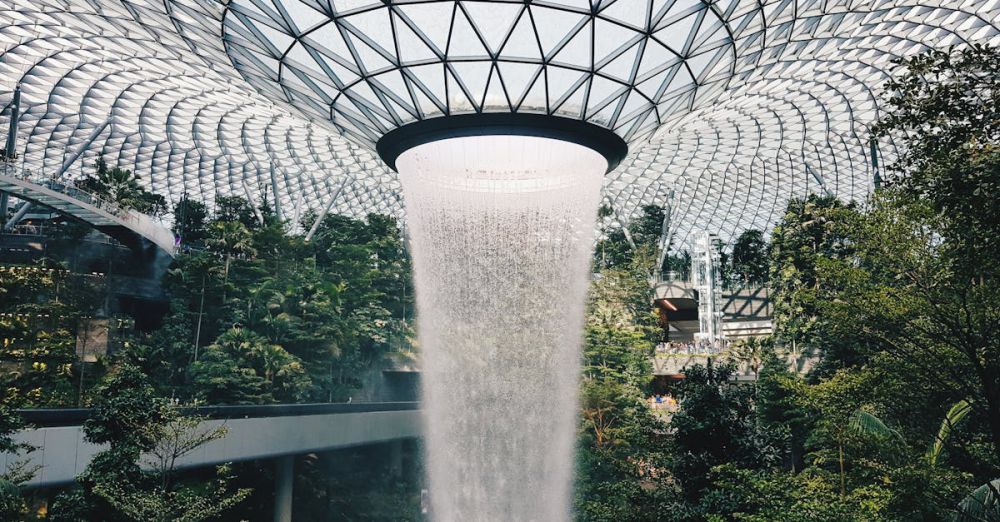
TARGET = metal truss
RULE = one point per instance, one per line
(730, 107)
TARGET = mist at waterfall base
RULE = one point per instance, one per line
(501, 231)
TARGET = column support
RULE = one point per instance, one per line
(396, 458)
(326, 209)
(18, 216)
(284, 476)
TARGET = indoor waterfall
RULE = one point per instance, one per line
(501, 229)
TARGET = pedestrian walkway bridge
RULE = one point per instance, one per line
(254, 433)
(131, 228)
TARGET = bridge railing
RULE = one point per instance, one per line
(54, 417)
(152, 228)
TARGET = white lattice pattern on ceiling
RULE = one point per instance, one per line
(730, 107)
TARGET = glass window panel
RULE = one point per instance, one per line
(676, 35)
(328, 39)
(464, 40)
(302, 15)
(493, 19)
(534, 99)
(578, 50)
(432, 78)
(516, 78)
(522, 42)
(432, 19)
(373, 26)
(371, 60)
(621, 67)
(609, 38)
(571, 104)
(474, 76)
(561, 81)
(554, 26)
(411, 47)
(458, 100)
(628, 12)
(343, 6)
(495, 98)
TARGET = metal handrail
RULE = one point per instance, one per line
(53, 417)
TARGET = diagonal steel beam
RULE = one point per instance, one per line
(82, 148)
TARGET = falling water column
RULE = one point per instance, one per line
(501, 229)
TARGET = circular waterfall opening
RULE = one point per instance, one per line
(501, 231)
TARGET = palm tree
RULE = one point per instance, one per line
(982, 505)
(230, 238)
(121, 186)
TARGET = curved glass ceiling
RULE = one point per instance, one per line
(764, 101)
(371, 66)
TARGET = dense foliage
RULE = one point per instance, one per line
(256, 315)
(877, 399)
(898, 299)
(118, 484)
(621, 467)
(42, 310)
(121, 187)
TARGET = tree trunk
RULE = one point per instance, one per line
(843, 479)
(225, 279)
(991, 390)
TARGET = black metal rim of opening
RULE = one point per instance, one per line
(399, 140)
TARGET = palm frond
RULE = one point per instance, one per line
(955, 414)
(982, 505)
(865, 423)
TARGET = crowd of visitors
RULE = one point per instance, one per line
(665, 403)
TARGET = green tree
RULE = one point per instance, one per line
(940, 244)
(813, 231)
(641, 237)
(621, 467)
(235, 209)
(750, 352)
(162, 498)
(12, 503)
(229, 239)
(944, 111)
(190, 220)
(42, 310)
(750, 257)
(339, 303)
(716, 424)
(779, 410)
(121, 186)
(774, 496)
(119, 484)
(166, 353)
(241, 367)
(124, 405)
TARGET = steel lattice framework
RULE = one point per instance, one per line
(730, 107)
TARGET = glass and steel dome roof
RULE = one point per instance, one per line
(730, 107)
(370, 66)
